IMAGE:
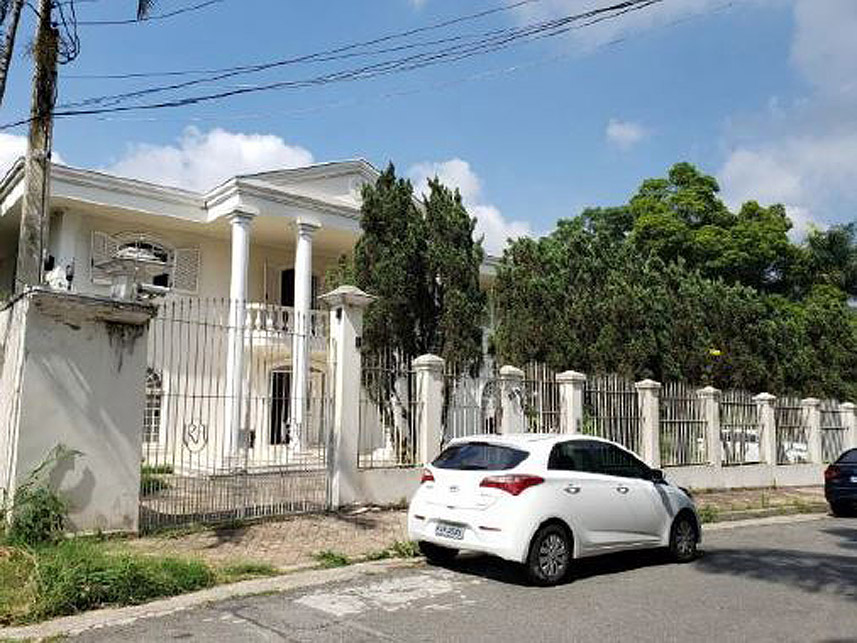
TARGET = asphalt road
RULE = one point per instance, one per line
(787, 582)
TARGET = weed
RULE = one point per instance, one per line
(38, 513)
(708, 513)
(404, 549)
(78, 575)
(329, 559)
(244, 571)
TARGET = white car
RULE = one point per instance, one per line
(544, 500)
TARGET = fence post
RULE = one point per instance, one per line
(511, 400)
(347, 305)
(710, 397)
(811, 406)
(648, 397)
(847, 410)
(429, 372)
(767, 428)
(571, 385)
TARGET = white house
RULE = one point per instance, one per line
(240, 337)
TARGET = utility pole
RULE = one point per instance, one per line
(8, 46)
(35, 215)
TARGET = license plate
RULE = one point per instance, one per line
(854, 479)
(449, 531)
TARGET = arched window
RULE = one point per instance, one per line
(152, 410)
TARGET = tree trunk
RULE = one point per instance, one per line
(34, 211)
(9, 44)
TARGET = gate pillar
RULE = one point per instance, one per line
(347, 305)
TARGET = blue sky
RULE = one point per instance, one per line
(757, 92)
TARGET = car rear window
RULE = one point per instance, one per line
(480, 456)
(849, 457)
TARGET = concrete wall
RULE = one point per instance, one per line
(80, 384)
(748, 475)
(384, 486)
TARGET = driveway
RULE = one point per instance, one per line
(795, 581)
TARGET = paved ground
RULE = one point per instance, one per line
(293, 541)
(786, 582)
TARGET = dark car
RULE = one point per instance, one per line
(840, 484)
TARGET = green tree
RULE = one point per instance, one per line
(422, 262)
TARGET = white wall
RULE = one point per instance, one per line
(81, 382)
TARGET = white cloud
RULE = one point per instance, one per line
(490, 222)
(13, 147)
(624, 134)
(808, 158)
(201, 160)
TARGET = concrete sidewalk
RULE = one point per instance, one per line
(294, 541)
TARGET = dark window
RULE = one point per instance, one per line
(287, 288)
(281, 383)
(613, 461)
(849, 457)
(571, 456)
(480, 456)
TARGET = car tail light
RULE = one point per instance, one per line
(427, 476)
(513, 484)
(832, 472)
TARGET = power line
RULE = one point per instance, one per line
(467, 47)
(535, 31)
(151, 18)
(313, 57)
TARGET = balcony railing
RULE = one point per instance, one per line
(264, 318)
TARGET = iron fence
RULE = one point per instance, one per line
(540, 399)
(833, 430)
(471, 403)
(792, 423)
(740, 430)
(389, 412)
(224, 435)
(611, 410)
(683, 427)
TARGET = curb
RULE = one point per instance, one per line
(117, 616)
(756, 522)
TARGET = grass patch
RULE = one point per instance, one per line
(399, 549)
(81, 574)
(245, 571)
(328, 559)
(708, 513)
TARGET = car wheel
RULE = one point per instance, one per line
(437, 555)
(550, 556)
(840, 509)
(683, 539)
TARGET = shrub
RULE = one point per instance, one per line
(38, 517)
(329, 559)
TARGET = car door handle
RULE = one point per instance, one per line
(622, 489)
(572, 489)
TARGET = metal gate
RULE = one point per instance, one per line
(220, 437)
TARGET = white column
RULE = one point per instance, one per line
(429, 371)
(649, 399)
(571, 385)
(300, 342)
(767, 428)
(347, 305)
(511, 400)
(812, 409)
(847, 409)
(240, 221)
(710, 398)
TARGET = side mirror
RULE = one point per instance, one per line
(657, 476)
